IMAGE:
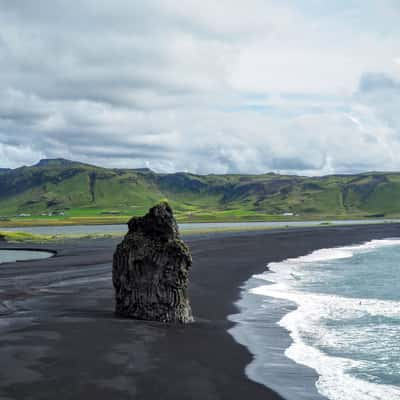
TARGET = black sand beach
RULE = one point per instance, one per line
(59, 337)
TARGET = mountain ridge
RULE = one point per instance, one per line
(75, 188)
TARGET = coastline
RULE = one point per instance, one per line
(76, 343)
(259, 331)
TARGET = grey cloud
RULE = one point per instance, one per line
(381, 93)
(375, 82)
(139, 152)
(164, 84)
(294, 164)
(102, 52)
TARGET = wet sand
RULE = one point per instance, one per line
(59, 337)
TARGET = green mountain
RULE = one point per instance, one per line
(73, 189)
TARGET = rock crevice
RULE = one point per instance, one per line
(151, 269)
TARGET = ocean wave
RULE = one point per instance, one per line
(334, 381)
(287, 267)
(331, 306)
(306, 322)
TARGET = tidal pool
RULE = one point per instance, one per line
(7, 256)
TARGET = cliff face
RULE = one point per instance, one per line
(151, 269)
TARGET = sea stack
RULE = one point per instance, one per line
(151, 269)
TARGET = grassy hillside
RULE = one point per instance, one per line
(74, 191)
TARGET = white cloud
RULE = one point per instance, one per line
(203, 86)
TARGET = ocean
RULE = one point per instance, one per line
(341, 308)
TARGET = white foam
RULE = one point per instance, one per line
(322, 255)
(332, 306)
(334, 381)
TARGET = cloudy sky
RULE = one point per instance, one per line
(298, 86)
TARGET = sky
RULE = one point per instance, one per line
(306, 87)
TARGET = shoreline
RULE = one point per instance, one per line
(60, 233)
(74, 333)
(16, 225)
(26, 222)
(277, 341)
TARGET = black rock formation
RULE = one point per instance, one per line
(151, 269)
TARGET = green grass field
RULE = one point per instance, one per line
(62, 192)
